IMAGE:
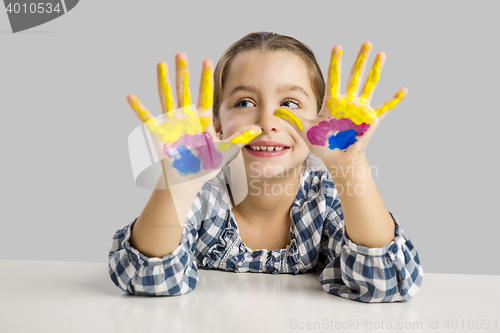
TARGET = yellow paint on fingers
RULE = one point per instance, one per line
(186, 95)
(390, 104)
(143, 112)
(204, 123)
(351, 89)
(225, 146)
(287, 115)
(207, 91)
(342, 108)
(335, 74)
(206, 97)
(371, 81)
(172, 130)
(166, 90)
(246, 137)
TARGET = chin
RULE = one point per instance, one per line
(272, 169)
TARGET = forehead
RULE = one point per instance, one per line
(267, 69)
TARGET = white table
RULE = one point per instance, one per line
(50, 296)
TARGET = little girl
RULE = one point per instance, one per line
(269, 103)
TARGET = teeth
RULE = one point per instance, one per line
(266, 148)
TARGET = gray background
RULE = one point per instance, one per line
(66, 180)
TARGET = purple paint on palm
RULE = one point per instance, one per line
(319, 135)
(203, 144)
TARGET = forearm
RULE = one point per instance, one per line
(158, 230)
(367, 220)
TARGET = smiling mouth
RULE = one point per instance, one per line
(266, 148)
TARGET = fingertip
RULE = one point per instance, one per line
(162, 67)
(289, 116)
(287, 111)
(181, 60)
(280, 110)
(245, 136)
(380, 58)
(337, 51)
(366, 46)
(208, 63)
(180, 55)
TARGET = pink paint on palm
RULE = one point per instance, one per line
(211, 158)
(318, 135)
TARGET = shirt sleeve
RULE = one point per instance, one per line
(174, 274)
(387, 274)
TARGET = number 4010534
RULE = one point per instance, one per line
(32, 8)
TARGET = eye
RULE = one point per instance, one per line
(243, 103)
(291, 101)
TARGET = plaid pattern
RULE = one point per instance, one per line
(211, 241)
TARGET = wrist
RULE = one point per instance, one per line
(348, 170)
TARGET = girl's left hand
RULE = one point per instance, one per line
(345, 123)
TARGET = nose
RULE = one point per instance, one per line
(268, 122)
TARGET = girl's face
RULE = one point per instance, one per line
(258, 83)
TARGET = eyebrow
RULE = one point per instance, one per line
(283, 89)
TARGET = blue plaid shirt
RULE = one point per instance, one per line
(211, 240)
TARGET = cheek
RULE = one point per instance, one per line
(230, 125)
(299, 142)
(310, 114)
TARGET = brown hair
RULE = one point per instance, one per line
(267, 41)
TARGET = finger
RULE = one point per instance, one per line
(357, 70)
(291, 117)
(164, 89)
(206, 92)
(141, 112)
(334, 72)
(241, 137)
(182, 80)
(205, 97)
(372, 79)
(205, 121)
(392, 102)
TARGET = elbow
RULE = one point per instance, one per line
(136, 274)
(412, 284)
(154, 280)
(401, 287)
(164, 289)
(404, 287)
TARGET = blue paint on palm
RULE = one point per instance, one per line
(342, 140)
(186, 162)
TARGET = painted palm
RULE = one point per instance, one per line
(185, 138)
(346, 121)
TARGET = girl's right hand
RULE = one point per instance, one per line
(185, 139)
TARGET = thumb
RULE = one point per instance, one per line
(291, 117)
(243, 136)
